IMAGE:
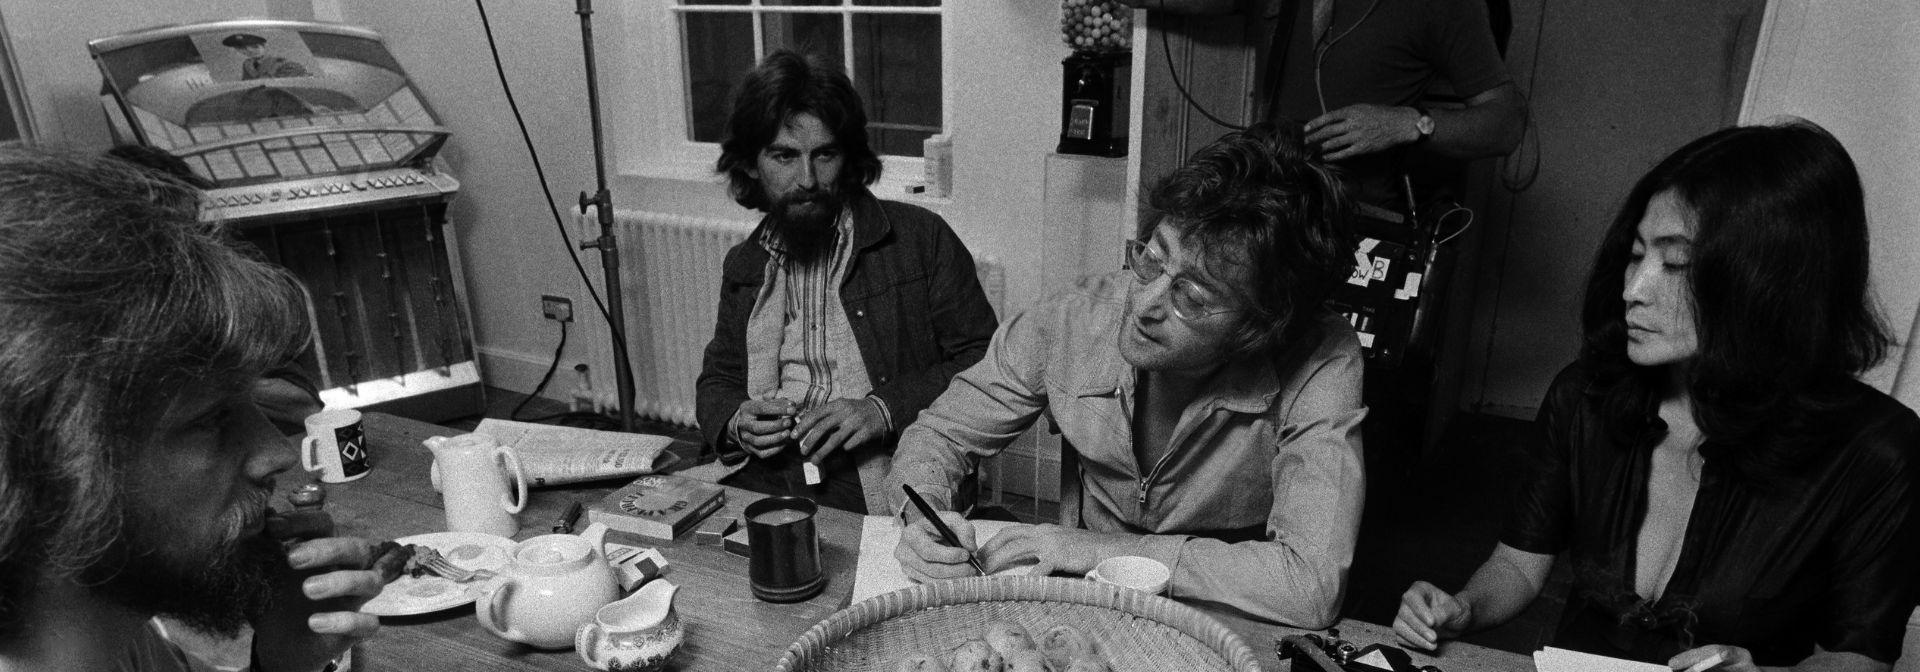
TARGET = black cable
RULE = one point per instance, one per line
(555, 366)
(1167, 49)
(527, 138)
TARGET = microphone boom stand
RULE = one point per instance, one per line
(602, 202)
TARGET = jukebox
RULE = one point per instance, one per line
(321, 153)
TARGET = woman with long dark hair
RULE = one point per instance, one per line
(1720, 484)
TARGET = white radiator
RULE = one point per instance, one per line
(671, 285)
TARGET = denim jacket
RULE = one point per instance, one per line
(1269, 452)
(911, 293)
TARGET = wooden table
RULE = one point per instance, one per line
(727, 628)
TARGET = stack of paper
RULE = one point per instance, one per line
(1561, 660)
(878, 571)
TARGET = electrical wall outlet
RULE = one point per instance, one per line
(556, 308)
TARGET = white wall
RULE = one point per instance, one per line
(1852, 67)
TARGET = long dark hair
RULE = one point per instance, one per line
(1779, 280)
(114, 297)
(1259, 198)
(787, 83)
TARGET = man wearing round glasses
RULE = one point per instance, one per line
(1211, 403)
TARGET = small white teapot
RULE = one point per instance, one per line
(556, 582)
(637, 634)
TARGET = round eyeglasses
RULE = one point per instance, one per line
(1189, 301)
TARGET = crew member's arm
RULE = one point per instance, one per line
(1459, 43)
(1489, 125)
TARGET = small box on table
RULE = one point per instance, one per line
(658, 506)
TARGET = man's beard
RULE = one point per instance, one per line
(805, 223)
(215, 590)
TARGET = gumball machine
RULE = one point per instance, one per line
(1095, 79)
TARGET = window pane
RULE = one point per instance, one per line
(899, 3)
(802, 3)
(815, 34)
(897, 70)
(718, 48)
(713, 2)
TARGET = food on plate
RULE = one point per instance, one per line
(1064, 644)
(975, 655)
(391, 559)
(920, 664)
(1008, 637)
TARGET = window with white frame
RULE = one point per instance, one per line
(889, 48)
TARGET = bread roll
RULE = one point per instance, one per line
(1062, 644)
(1028, 660)
(1093, 664)
(975, 655)
(1008, 637)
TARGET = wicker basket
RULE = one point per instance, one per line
(1136, 631)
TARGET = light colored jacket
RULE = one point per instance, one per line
(1272, 446)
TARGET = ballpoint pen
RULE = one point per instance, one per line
(945, 533)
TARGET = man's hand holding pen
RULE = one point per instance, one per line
(924, 555)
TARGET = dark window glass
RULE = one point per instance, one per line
(719, 47)
(896, 67)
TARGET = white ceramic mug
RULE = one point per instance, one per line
(335, 446)
(480, 482)
(1146, 575)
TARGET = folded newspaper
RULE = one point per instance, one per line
(557, 455)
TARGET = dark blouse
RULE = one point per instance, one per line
(1827, 558)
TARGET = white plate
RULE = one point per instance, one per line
(408, 596)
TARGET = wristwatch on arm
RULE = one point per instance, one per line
(1424, 124)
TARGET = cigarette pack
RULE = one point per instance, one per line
(736, 543)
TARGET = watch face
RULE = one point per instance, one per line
(1424, 125)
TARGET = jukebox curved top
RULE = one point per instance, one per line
(261, 103)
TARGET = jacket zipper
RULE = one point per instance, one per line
(1174, 442)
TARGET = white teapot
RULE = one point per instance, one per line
(555, 585)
